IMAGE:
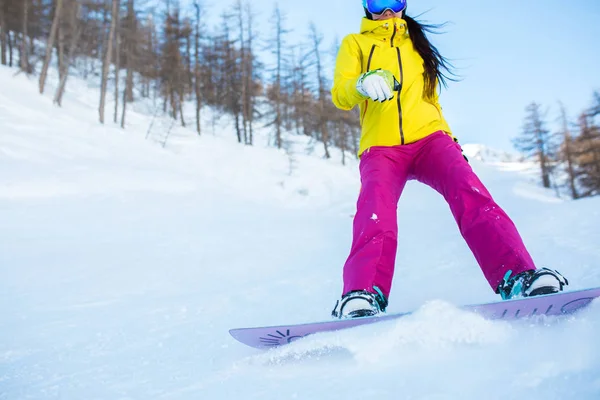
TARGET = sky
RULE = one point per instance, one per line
(507, 53)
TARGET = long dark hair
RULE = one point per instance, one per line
(437, 67)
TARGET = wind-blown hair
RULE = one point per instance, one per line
(437, 68)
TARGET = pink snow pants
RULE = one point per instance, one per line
(437, 161)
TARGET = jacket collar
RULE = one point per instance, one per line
(385, 29)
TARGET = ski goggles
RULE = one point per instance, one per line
(379, 6)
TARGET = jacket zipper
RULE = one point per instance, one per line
(370, 58)
(399, 89)
(368, 69)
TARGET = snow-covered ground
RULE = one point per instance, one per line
(123, 265)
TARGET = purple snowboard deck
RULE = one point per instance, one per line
(550, 305)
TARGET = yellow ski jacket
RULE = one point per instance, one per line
(408, 117)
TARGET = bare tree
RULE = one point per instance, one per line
(588, 160)
(61, 42)
(50, 45)
(107, 58)
(182, 76)
(345, 123)
(301, 96)
(568, 154)
(249, 75)
(75, 33)
(242, 85)
(316, 39)
(186, 33)
(24, 54)
(275, 93)
(3, 33)
(130, 53)
(228, 66)
(118, 34)
(197, 67)
(149, 60)
(172, 69)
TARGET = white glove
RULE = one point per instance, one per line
(378, 84)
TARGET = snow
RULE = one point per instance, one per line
(123, 264)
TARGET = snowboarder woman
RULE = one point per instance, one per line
(392, 71)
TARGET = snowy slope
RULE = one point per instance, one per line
(123, 265)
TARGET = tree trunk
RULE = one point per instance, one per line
(3, 33)
(173, 102)
(197, 70)
(237, 127)
(128, 88)
(188, 57)
(181, 101)
(61, 48)
(50, 45)
(75, 34)
(107, 59)
(545, 171)
(117, 65)
(147, 76)
(249, 103)
(24, 56)
(36, 5)
(129, 83)
(343, 139)
(10, 48)
(131, 40)
(243, 87)
(278, 72)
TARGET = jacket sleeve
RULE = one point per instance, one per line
(348, 67)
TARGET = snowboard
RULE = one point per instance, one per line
(557, 304)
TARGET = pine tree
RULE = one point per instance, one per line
(537, 142)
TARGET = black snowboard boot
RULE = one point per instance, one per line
(360, 303)
(531, 283)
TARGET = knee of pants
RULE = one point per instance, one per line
(377, 213)
(380, 193)
(461, 180)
